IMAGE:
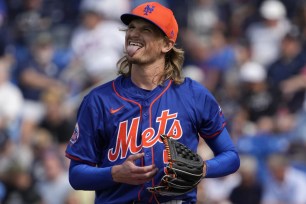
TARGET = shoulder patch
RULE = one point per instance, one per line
(75, 135)
(220, 111)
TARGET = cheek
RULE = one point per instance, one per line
(152, 52)
(155, 46)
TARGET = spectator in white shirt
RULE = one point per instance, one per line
(285, 185)
(265, 36)
(11, 99)
(96, 43)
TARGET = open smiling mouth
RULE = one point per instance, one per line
(133, 47)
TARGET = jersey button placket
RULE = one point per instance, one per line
(146, 105)
(148, 161)
(145, 125)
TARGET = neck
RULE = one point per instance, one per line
(147, 76)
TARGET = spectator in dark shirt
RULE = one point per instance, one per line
(249, 190)
(288, 65)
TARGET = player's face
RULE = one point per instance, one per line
(144, 42)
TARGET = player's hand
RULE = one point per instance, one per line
(129, 173)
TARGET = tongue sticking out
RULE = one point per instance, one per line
(131, 50)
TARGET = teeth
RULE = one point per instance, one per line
(135, 44)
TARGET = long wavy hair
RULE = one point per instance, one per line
(173, 66)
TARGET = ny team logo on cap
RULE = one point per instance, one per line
(148, 9)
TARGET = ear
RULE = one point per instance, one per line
(167, 46)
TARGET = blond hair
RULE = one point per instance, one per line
(173, 66)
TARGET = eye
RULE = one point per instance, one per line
(147, 29)
(130, 27)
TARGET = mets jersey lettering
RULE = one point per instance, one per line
(127, 139)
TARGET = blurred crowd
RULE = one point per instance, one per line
(251, 54)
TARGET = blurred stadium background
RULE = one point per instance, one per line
(250, 53)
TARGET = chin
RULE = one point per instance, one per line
(132, 60)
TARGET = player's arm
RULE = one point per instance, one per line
(213, 130)
(86, 177)
(226, 160)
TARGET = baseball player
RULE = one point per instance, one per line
(116, 149)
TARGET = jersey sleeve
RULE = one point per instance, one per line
(212, 120)
(83, 145)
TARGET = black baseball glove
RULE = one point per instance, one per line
(183, 172)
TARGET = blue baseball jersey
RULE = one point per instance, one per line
(118, 119)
